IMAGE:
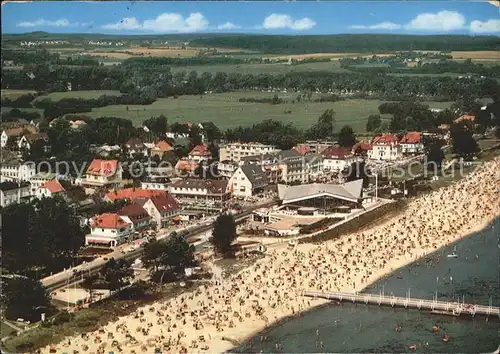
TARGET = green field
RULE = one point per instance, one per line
(271, 68)
(56, 96)
(15, 93)
(226, 111)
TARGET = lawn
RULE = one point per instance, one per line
(226, 111)
(15, 93)
(56, 96)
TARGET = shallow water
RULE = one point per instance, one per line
(360, 328)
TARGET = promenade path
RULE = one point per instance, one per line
(452, 308)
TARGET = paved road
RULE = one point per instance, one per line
(60, 279)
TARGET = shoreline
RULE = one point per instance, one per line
(481, 225)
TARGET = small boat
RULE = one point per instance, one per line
(452, 255)
(446, 338)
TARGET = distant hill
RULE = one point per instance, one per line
(339, 43)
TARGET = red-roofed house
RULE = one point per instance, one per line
(362, 148)
(162, 208)
(412, 143)
(161, 148)
(302, 149)
(385, 147)
(200, 153)
(108, 229)
(468, 117)
(131, 194)
(136, 215)
(337, 158)
(102, 173)
(185, 166)
(49, 189)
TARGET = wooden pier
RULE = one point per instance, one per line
(449, 308)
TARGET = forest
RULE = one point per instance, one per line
(354, 43)
(161, 82)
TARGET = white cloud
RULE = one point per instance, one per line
(166, 22)
(127, 23)
(303, 24)
(228, 26)
(41, 22)
(276, 21)
(489, 26)
(441, 21)
(379, 26)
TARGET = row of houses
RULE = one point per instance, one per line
(12, 192)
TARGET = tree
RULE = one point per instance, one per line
(173, 255)
(157, 125)
(116, 273)
(194, 136)
(25, 298)
(43, 234)
(463, 144)
(223, 233)
(153, 254)
(324, 127)
(435, 155)
(373, 122)
(179, 255)
(346, 136)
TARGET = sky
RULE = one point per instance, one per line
(263, 17)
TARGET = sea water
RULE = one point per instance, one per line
(472, 277)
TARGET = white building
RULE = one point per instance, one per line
(108, 229)
(161, 208)
(412, 143)
(13, 192)
(15, 170)
(203, 191)
(297, 168)
(338, 159)
(235, 151)
(157, 183)
(385, 147)
(102, 173)
(226, 168)
(49, 189)
(247, 180)
(200, 153)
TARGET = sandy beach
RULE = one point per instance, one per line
(244, 303)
